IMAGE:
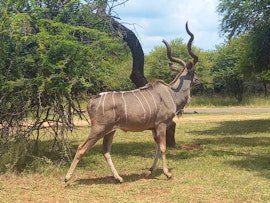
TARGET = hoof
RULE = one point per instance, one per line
(120, 180)
(67, 182)
(168, 175)
(148, 173)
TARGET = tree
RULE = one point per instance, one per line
(250, 19)
(137, 74)
(226, 75)
(243, 16)
(52, 54)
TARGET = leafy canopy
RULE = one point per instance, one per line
(52, 54)
(250, 19)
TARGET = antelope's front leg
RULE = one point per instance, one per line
(153, 167)
(106, 149)
(161, 130)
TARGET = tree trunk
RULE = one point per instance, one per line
(170, 135)
(137, 74)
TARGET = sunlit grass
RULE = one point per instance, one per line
(229, 101)
(220, 158)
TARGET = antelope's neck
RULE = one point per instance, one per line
(180, 91)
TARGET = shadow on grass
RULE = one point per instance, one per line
(240, 139)
(258, 163)
(243, 127)
(249, 161)
(127, 178)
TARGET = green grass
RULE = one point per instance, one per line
(220, 158)
(227, 101)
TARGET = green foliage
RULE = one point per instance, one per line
(236, 69)
(52, 55)
(119, 79)
(14, 156)
(20, 155)
(243, 16)
(250, 19)
(204, 71)
(226, 76)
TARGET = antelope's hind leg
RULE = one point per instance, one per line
(81, 150)
(152, 168)
(107, 145)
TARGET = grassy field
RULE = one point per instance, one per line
(219, 158)
(229, 101)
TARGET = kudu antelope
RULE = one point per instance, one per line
(151, 107)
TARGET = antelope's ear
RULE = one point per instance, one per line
(190, 65)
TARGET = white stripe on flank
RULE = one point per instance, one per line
(103, 104)
(147, 104)
(144, 112)
(153, 99)
(99, 101)
(125, 104)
